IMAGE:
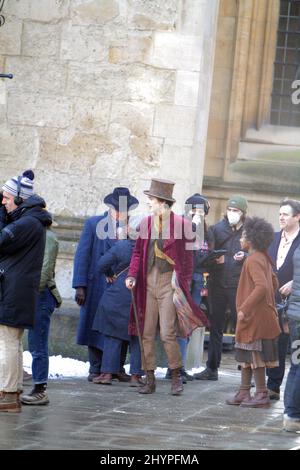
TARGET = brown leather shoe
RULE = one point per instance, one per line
(239, 397)
(104, 379)
(91, 376)
(150, 385)
(9, 401)
(260, 400)
(136, 381)
(121, 377)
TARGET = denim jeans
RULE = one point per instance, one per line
(183, 344)
(112, 352)
(275, 375)
(95, 359)
(197, 285)
(292, 388)
(38, 337)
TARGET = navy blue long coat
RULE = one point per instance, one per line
(112, 315)
(89, 251)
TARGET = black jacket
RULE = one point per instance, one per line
(221, 236)
(286, 272)
(22, 243)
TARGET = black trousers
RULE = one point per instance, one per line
(220, 300)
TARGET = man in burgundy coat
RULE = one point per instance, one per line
(164, 246)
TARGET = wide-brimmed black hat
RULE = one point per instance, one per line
(121, 199)
(198, 200)
(161, 189)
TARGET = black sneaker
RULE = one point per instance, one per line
(185, 376)
(207, 374)
(273, 395)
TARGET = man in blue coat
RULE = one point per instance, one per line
(99, 234)
(281, 251)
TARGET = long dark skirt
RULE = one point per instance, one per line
(266, 357)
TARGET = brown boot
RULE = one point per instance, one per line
(239, 397)
(9, 401)
(150, 386)
(104, 378)
(176, 386)
(260, 400)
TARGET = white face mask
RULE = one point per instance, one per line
(196, 219)
(233, 217)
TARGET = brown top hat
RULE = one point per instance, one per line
(162, 189)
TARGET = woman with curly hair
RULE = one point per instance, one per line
(257, 323)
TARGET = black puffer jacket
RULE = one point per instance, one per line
(22, 244)
(221, 236)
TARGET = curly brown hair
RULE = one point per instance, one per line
(259, 233)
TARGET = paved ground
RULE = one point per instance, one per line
(87, 416)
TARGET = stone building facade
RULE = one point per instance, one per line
(114, 92)
(105, 93)
(253, 140)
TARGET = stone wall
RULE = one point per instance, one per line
(105, 93)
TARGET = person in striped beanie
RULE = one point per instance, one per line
(20, 186)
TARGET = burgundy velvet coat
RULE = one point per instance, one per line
(181, 237)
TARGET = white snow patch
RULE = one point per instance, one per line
(60, 366)
(65, 367)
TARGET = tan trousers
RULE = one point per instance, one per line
(160, 310)
(11, 358)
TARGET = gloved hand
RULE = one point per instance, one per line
(80, 295)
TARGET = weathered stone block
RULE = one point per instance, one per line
(150, 14)
(36, 75)
(133, 49)
(147, 149)
(10, 36)
(94, 12)
(38, 10)
(176, 122)
(176, 51)
(90, 115)
(176, 162)
(137, 117)
(40, 39)
(39, 110)
(121, 82)
(193, 16)
(19, 148)
(82, 43)
(2, 94)
(187, 88)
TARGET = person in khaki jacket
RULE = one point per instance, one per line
(49, 299)
(257, 327)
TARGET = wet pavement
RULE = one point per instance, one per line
(82, 415)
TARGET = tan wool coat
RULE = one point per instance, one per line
(256, 299)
